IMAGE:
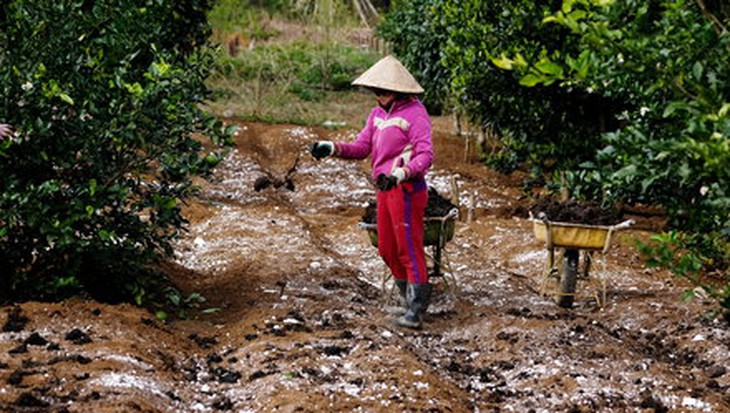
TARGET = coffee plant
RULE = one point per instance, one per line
(417, 37)
(105, 100)
(618, 101)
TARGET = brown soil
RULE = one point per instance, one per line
(437, 207)
(294, 319)
(575, 212)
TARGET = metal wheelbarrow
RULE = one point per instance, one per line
(437, 231)
(572, 238)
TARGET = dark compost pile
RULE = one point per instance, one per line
(437, 206)
(575, 212)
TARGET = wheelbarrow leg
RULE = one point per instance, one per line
(588, 264)
(587, 260)
(441, 268)
(568, 278)
(437, 261)
(388, 292)
(550, 272)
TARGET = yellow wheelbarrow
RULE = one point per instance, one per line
(572, 238)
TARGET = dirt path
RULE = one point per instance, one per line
(296, 323)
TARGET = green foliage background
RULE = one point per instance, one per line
(418, 36)
(618, 101)
(105, 98)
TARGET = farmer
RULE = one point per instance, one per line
(397, 137)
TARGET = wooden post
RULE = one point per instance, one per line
(457, 122)
(454, 191)
(564, 192)
(467, 141)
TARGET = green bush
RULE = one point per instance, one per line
(417, 37)
(700, 258)
(619, 101)
(670, 62)
(673, 148)
(543, 121)
(105, 97)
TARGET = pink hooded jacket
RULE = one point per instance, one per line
(400, 137)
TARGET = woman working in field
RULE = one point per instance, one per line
(397, 137)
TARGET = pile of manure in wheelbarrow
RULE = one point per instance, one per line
(437, 206)
(575, 212)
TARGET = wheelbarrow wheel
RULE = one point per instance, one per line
(568, 278)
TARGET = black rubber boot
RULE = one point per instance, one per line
(402, 306)
(402, 285)
(417, 298)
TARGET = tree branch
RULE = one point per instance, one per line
(719, 28)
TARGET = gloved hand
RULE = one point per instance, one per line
(388, 182)
(322, 149)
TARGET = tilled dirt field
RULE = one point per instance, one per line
(295, 322)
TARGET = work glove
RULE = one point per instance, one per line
(322, 149)
(388, 182)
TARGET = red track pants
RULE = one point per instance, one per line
(400, 230)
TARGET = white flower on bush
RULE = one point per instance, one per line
(27, 86)
(704, 190)
(644, 110)
(620, 58)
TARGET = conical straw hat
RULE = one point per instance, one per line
(389, 74)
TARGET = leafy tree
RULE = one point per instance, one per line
(105, 98)
(626, 101)
(418, 38)
(539, 123)
(669, 62)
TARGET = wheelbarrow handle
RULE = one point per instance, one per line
(451, 215)
(624, 224)
(365, 225)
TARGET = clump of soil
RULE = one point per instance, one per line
(575, 212)
(266, 181)
(269, 180)
(16, 321)
(437, 206)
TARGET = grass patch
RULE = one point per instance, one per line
(288, 61)
(240, 16)
(250, 18)
(292, 82)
